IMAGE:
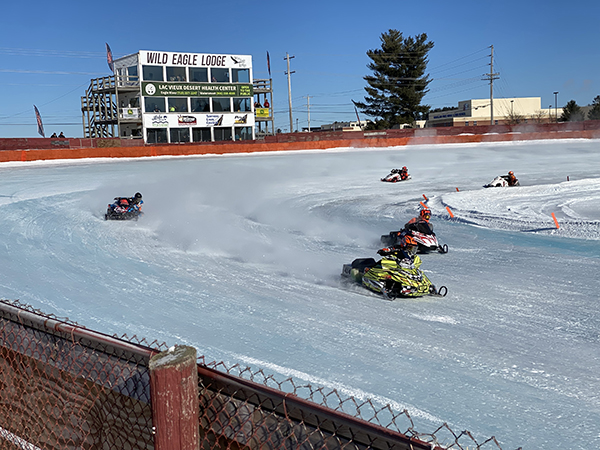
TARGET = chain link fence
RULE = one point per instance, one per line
(65, 387)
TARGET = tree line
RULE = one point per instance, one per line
(572, 112)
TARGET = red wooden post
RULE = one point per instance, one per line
(174, 393)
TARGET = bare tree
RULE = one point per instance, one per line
(540, 117)
(514, 118)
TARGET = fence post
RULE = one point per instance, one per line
(174, 394)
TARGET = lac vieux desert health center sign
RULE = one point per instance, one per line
(174, 89)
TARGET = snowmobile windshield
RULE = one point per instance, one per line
(421, 227)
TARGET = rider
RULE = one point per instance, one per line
(125, 204)
(403, 173)
(423, 218)
(136, 202)
(405, 252)
(512, 180)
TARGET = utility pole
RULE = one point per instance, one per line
(288, 73)
(491, 77)
(308, 106)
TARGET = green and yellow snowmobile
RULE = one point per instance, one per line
(392, 276)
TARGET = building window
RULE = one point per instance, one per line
(221, 105)
(178, 104)
(240, 75)
(466, 124)
(200, 104)
(219, 75)
(152, 73)
(199, 75)
(243, 134)
(157, 136)
(176, 74)
(132, 73)
(201, 135)
(154, 104)
(475, 123)
(180, 135)
(222, 134)
(242, 104)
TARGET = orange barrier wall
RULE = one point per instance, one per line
(125, 148)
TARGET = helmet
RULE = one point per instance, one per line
(425, 214)
(409, 241)
(404, 168)
(511, 173)
(137, 195)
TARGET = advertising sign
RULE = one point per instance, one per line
(173, 89)
(195, 59)
(163, 120)
(130, 113)
(262, 112)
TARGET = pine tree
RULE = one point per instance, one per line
(572, 113)
(594, 112)
(398, 83)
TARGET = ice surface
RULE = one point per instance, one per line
(240, 256)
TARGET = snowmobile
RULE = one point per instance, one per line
(392, 277)
(123, 209)
(395, 176)
(500, 181)
(421, 232)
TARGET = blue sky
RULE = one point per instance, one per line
(51, 50)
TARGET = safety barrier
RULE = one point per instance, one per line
(63, 386)
(35, 149)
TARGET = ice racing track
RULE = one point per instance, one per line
(240, 256)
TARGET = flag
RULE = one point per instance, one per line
(39, 121)
(109, 58)
(269, 64)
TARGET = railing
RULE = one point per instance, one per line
(65, 387)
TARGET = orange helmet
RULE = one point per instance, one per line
(425, 214)
(511, 173)
(409, 241)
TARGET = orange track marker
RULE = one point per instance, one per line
(555, 221)
(449, 212)
(425, 197)
(423, 205)
(457, 190)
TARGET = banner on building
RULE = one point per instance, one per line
(164, 120)
(261, 112)
(164, 89)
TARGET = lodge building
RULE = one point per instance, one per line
(170, 97)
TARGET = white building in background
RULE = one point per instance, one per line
(506, 110)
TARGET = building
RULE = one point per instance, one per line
(506, 111)
(344, 126)
(170, 97)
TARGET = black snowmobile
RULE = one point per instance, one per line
(124, 208)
